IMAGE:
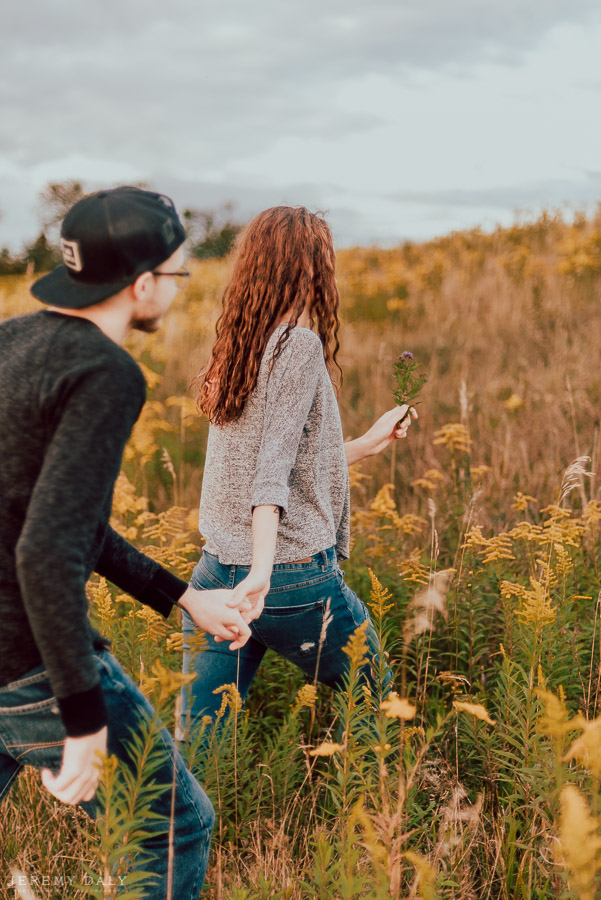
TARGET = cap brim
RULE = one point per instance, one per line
(58, 288)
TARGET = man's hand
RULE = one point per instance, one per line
(209, 611)
(80, 769)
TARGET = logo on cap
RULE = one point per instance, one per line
(71, 255)
(168, 231)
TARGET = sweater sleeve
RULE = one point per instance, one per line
(291, 388)
(93, 411)
(139, 575)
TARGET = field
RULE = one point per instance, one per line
(476, 543)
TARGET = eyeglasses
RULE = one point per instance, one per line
(181, 277)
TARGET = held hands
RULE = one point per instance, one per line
(220, 614)
(249, 596)
(252, 590)
(246, 601)
(80, 769)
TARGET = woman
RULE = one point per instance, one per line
(275, 509)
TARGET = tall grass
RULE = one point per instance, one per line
(480, 777)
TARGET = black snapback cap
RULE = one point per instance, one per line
(107, 240)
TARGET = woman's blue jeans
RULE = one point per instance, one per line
(292, 624)
(32, 733)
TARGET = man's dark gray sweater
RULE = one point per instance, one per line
(69, 397)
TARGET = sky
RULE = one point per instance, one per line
(400, 119)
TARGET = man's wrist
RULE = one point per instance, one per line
(182, 600)
(83, 713)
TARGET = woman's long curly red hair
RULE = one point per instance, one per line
(284, 262)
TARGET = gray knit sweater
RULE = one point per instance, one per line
(286, 449)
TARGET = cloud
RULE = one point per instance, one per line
(193, 84)
(548, 194)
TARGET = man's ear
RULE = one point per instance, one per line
(142, 286)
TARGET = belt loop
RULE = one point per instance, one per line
(324, 560)
(232, 576)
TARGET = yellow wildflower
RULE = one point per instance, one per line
(429, 481)
(356, 476)
(379, 598)
(305, 697)
(497, 548)
(474, 709)
(556, 512)
(395, 304)
(170, 682)
(563, 561)
(102, 601)
(397, 707)
(586, 749)
(455, 437)
(579, 843)
(383, 503)
(592, 513)
(229, 697)
(555, 720)
(413, 569)
(526, 531)
(356, 647)
(326, 749)
(513, 402)
(536, 608)
(175, 641)
(521, 501)
(424, 483)
(426, 875)
(512, 589)
(151, 377)
(474, 539)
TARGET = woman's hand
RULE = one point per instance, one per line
(393, 425)
(253, 589)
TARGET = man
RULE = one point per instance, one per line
(69, 397)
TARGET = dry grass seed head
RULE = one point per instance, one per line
(426, 603)
(459, 815)
(573, 475)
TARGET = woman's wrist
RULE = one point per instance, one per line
(358, 449)
(262, 570)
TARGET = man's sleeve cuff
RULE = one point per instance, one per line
(163, 591)
(84, 713)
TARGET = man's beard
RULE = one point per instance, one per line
(149, 326)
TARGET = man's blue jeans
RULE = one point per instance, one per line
(292, 624)
(32, 733)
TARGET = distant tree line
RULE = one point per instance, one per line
(211, 233)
